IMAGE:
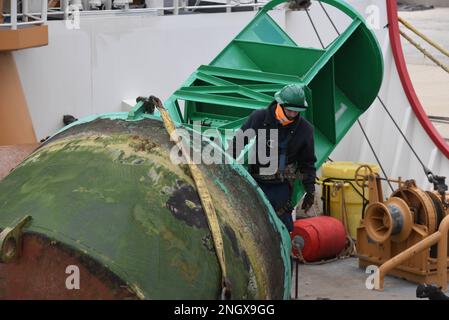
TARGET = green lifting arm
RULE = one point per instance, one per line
(343, 79)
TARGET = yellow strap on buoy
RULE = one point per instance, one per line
(204, 194)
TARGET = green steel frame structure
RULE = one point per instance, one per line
(342, 79)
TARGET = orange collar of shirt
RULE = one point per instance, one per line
(281, 117)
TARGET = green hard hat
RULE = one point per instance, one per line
(292, 97)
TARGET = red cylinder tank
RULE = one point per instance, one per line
(323, 237)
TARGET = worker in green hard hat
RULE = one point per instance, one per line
(294, 152)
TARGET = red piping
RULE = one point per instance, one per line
(398, 54)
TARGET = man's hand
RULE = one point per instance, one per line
(157, 102)
(309, 199)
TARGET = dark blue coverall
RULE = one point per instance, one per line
(295, 146)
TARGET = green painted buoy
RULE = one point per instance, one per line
(111, 213)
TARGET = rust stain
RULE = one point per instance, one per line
(40, 273)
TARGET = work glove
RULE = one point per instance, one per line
(308, 201)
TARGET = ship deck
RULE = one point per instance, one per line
(344, 280)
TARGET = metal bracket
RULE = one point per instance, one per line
(144, 106)
(11, 241)
(439, 185)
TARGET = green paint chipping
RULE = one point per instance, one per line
(285, 245)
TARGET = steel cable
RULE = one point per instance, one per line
(358, 121)
(389, 114)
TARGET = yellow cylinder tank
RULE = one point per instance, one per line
(338, 177)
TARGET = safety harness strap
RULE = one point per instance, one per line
(205, 198)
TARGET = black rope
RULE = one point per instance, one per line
(361, 127)
(364, 204)
(375, 155)
(438, 119)
(326, 197)
(350, 181)
(314, 28)
(327, 14)
(403, 135)
(327, 211)
(327, 194)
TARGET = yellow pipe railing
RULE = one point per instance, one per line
(440, 237)
(442, 254)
